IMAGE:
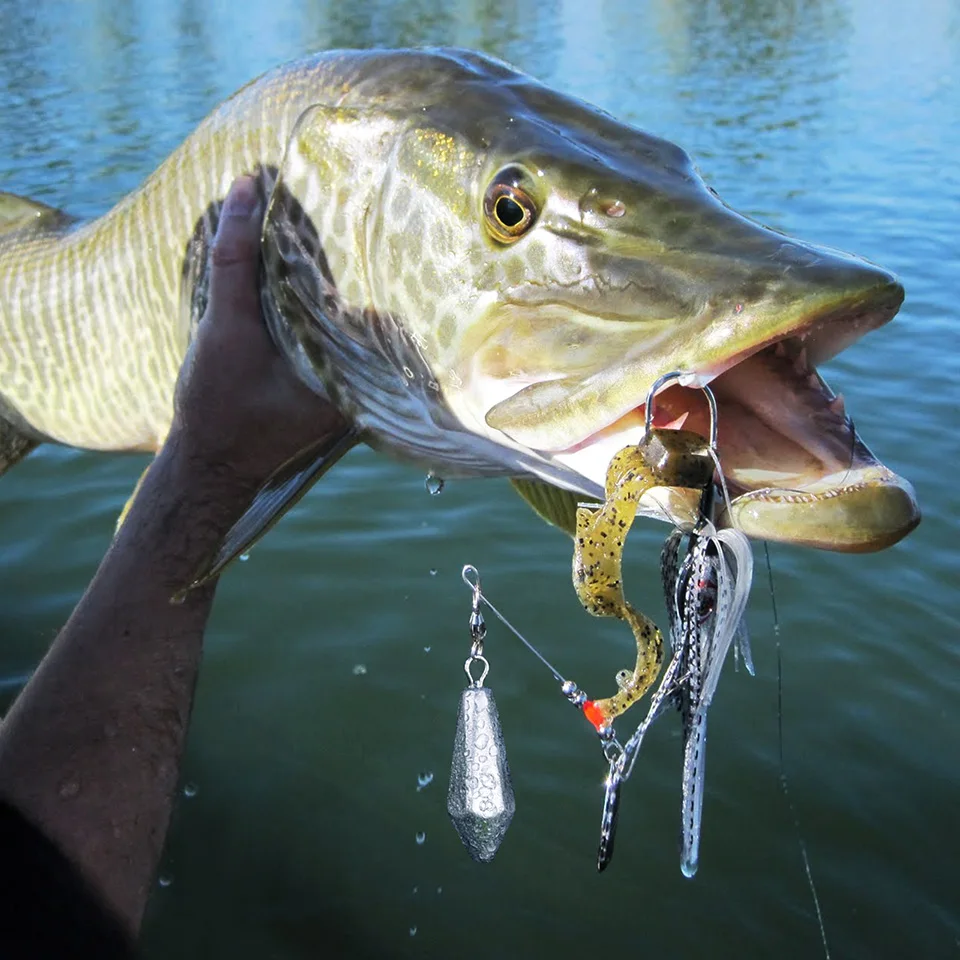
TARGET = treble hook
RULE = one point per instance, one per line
(679, 376)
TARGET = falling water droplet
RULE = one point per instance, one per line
(413, 931)
(439, 889)
(416, 890)
(189, 789)
(433, 571)
(244, 557)
(359, 670)
(427, 649)
(424, 780)
(421, 838)
(69, 789)
(164, 879)
(434, 484)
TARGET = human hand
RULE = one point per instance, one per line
(239, 409)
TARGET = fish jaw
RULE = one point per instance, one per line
(861, 510)
(795, 468)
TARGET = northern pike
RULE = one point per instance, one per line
(484, 275)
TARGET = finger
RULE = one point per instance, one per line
(235, 255)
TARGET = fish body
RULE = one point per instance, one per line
(484, 275)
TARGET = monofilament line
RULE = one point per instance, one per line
(783, 769)
(483, 599)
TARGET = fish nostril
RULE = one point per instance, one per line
(608, 206)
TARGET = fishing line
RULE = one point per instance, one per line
(723, 484)
(481, 598)
(783, 769)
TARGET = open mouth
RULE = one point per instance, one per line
(794, 466)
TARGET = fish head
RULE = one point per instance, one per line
(551, 264)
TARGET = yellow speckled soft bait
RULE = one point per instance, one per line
(663, 458)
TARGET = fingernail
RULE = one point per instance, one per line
(243, 199)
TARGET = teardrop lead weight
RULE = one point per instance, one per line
(480, 800)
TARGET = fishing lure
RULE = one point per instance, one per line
(663, 458)
(706, 595)
(706, 592)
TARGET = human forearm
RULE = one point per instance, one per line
(91, 749)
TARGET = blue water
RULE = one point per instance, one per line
(835, 121)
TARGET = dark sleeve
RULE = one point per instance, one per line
(47, 909)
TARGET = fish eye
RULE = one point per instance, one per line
(508, 209)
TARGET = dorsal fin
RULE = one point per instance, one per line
(19, 212)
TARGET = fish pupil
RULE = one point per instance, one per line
(509, 212)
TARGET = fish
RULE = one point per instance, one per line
(485, 276)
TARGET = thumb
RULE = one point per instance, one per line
(236, 249)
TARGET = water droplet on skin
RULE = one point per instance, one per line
(359, 670)
(69, 789)
(244, 557)
(164, 879)
(421, 838)
(189, 789)
(413, 931)
(424, 780)
(434, 484)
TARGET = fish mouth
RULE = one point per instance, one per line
(795, 468)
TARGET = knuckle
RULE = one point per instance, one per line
(229, 251)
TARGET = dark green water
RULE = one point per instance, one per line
(835, 121)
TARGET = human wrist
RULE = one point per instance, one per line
(182, 512)
(208, 475)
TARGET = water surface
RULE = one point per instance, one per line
(837, 121)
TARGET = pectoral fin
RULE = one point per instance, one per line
(558, 507)
(281, 492)
(14, 445)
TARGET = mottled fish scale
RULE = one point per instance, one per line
(90, 337)
(465, 350)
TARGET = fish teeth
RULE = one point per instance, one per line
(780, 350)
(676, 424)
(837, 406)
(800, 363)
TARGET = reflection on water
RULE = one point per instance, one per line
(319, 709)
